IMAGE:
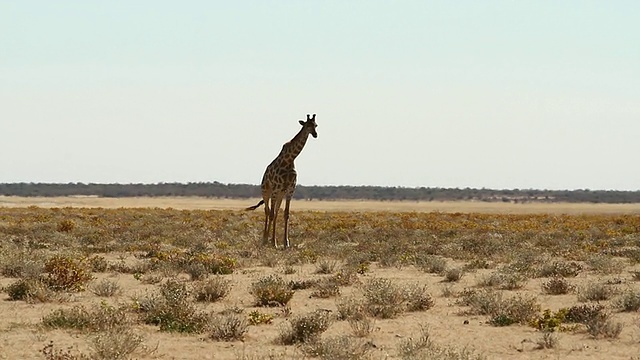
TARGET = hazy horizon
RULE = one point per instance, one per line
(478, 94)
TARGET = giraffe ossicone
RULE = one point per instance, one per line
(279, 182)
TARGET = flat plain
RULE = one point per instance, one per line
(187, 278)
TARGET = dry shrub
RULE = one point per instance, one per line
(431, 264)
(351, 308)
(302, 284)
(502, 311)
(98, 263)
(453, 274)
(582, 314)
(66, 225)
(65, 273)
(448, 290)
(503, 280)
(326, 266)
(213, 263)
(548, 340)
(305, 328)
(560, 268)
(384, 299)
(271, 291)
(602, 326)
(481, 302)
(629, 301)
(30, 290)
(229, 327)
(213, 289)
(358, 262)
(361, 326)
(326, 288)
(606, 264)
(423, 347)
(345, 277)
(557, 286)
(338, 348)
(417, 298)
(102, 317)
(51, 352)
(115, 344)
(196, 271)
(106, 288)
(596, 292)
(172, 309)
(18, 261)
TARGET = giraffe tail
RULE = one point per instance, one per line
(255, 206)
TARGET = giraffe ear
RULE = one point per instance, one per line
(301, 122)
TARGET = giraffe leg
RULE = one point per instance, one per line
(274, 210)
(267, 215)
(286, 222)
(272, 218)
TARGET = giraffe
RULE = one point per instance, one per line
(279, 182)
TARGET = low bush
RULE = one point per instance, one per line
(271, 291)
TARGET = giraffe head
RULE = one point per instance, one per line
(310, 125)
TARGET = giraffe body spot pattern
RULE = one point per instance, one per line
(279, 182)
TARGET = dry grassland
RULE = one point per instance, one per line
(187, 279)
(200, 203)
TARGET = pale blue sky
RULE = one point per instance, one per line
(496, 94)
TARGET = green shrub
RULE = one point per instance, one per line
(256, 318)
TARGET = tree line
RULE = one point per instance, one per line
(341, 192)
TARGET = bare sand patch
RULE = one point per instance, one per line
(202, 203)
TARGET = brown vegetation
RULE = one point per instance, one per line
(163, 283)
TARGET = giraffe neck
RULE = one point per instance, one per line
(292, 149)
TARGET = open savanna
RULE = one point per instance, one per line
(203, 203)
(189, 279)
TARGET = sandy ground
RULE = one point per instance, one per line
(21, 336)
(305, 205)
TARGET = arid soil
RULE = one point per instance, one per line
(391, 242)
